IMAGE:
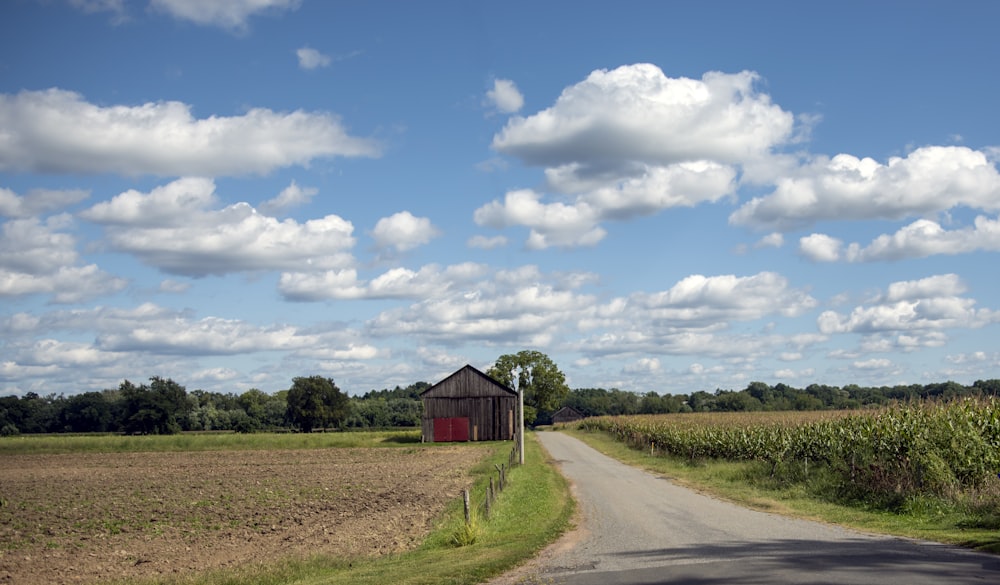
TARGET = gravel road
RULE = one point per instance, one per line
(638, 528)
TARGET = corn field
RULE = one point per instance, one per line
(932, 448)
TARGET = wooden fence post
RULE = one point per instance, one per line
(468, 512)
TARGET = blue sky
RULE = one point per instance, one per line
(661, 196)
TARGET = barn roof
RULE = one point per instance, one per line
(467, 381)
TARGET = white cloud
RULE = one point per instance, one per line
(38, 201)
(290, 196)
(636, 113)
(312, 59)
(56, 131)
(873, 364)
(512, 306)
(38, 258)
(577, 223)
(403, 231)
(632, 142)
(941, 285)
(713, 300)
(229, 14)
(174, 287)
(772, 240)
(820, 248)
(487, 243)
(505, 96)
(210, 335)
(554, 224)
(642, 366)
(930, 179)
(174, 228)
(924, 238)
(920, 239)
(929, 304)
(395, 283)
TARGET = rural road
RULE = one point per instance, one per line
(637, 528)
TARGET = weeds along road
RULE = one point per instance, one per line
(638, 528)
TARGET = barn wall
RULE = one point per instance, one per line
(490, 417)
(469, 393)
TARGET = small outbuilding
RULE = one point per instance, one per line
(566, 414)
(468, 406)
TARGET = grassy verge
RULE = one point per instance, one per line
(744, 484)
(56, 444)
(532, 512)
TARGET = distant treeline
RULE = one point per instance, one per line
(761, 396)
(164, 406)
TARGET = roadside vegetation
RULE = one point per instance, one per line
(926, 469)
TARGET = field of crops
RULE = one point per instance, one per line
(941, 449)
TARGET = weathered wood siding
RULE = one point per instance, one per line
(469, 393)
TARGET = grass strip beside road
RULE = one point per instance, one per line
(533, 511)
(739, 482)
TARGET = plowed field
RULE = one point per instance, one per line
(84, 518)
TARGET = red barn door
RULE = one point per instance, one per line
(447, 430)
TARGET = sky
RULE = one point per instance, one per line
(660, 196)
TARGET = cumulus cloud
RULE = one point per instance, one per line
(487, 243)
(38, 201)
(229, 14)
(924, 238)
(642, 366)
(632, 142)
(395, 283)
(210, 335)
(920, 239)
(403, 231)
(176, 228)
(312, 59)
(57, 131)
(820, 248)
(711, 300)
(40, 258)
(505, 96)
(929, 304)
(636, 113)
(772, 240)
(290, 196)
(928, 180)
(518, 305)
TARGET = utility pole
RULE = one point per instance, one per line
(520, 410)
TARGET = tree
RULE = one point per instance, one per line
(156, 409)
(316, 402)
(538, 376)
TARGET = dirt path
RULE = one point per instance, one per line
(83, 518)
(640, 528)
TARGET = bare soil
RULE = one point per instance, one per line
(85, 518)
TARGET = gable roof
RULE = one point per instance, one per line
(568, 411)
(467, 381)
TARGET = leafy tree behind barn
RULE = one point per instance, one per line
(316, 402)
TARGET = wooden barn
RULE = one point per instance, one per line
(566, 414)
(468, 406)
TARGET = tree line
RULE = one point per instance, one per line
(759, 396)
(165, 407)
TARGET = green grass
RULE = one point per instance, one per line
(96, 443)
(532, 512)
(747, 484)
